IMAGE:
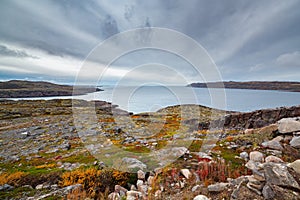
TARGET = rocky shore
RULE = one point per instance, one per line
(23, 89)
(44, 154)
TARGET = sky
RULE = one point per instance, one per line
(52, 39)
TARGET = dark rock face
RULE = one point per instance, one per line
(259, 118)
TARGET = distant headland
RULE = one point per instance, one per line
(22, 89)
(253, 85)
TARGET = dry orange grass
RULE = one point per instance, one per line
(11, 178)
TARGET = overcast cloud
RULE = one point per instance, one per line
(248, 40)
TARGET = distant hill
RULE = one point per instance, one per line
(253, 85)
(21, 89)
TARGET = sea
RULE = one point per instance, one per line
(138, 99)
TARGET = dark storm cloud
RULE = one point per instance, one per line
(244, 38)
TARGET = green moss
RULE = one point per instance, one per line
(17, 193)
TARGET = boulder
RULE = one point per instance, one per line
(288, 125)
(295, 166)
(278, 174)
(200, 197)
(256, 156)
(295, 142)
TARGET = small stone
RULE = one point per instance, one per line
(260, 176)
(218, 187)
(139, 182)
(268, 193)
(39, 187)
(274, 152)
(273, 144)
(114, 196)
(200, 197)
(119, 189)
(133, 195)
(196, 187)
(150, 180)
(141, 175)
(253, 180)
(244, 155)
(295, 142)
(253, 165)
(256, 156)
(249, 131)
(295, 165)
(157, 194)
(133, 188)
(186, 173)
(278, 138)
(274, 159)
(6, 187)
(254, 189)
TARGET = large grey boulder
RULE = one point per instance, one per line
(289, 125)
(278, 174)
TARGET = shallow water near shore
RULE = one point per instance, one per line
(152, 98)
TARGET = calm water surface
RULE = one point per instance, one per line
(152, 98)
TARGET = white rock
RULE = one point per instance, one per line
(295, 165)
(196, 187)
(201, 197)
(274, 159)
(133, 195)
(244, 155)
(288, 125)
(39, 187)
(272, 144)
(218, 187)
(295, 142)
(141, 174)
(256, 156)
(186, 173)
(139, 183)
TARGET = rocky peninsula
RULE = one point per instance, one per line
(22, 89)
(43, 155)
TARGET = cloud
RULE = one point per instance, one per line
(289, 60)
(241, 36)
(5, 51)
